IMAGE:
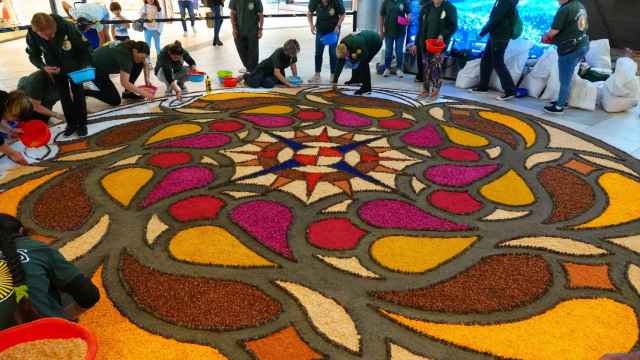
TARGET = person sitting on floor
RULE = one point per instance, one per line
(39, 274)
(170, 68)
(358, 50)
(14, 106)
(41, 89)
(128, 59)
(270, 72)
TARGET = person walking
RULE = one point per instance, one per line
(152, 30)
(57, 47)
(569, 33)
(357, 50)
(247, 18)
(500, 28)
(216, 8)
(188, 6)
(394, 18)
(330, 15)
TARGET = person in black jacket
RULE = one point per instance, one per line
(438, 20)
(57, 47)
(500, 30)
(170, 68)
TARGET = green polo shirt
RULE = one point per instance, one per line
(328, 16)
(39, 86)
(278, 60)
(7, 297)
(390, 11)
(572, 22)
(361, 46)
(247, 15)
(113, 59)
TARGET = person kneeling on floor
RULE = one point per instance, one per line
(39, 275)
(170, 68)
(270, 72)
(42, 92)
(357, 51)
(14, 106)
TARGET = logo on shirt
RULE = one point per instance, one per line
(443, 15)
(332, 11)
(22, 253)
(66, 44)
(251, 6)
(401, 7)
(582, 20)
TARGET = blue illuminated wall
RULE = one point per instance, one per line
(536, 15)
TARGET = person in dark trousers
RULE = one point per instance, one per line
(394, 33)
(500, 30)
(57, 47)
(216, 8)
(187, 6)
(41, 90)
(358, 50)
(170, 68)
(438, 20)
(39, 274)
(330, 15)
(14, 107)
(270, 72)
(128, 59)
(569, 33)
(247, 19)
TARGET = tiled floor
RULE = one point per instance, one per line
(620, 130)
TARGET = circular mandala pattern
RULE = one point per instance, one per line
(309, 223)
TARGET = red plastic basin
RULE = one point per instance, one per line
(230, 82)
(48, 329)
(35, 134)
(434, 46)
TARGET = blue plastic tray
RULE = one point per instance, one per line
(83, 76)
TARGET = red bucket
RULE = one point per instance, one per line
(230, 82)
(434, 46)
(35, 133)
(48, 329)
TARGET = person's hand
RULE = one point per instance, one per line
(176, 89)
(145, 94)
(194, 69)
(52, 70)
(148, 83)
(440, 38)
(483, 32)
(17, 157)
(236, 34)
(13, 133)
(260, 34)
(313, 29)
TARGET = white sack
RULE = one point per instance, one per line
(469, 75)
(515, 58)
(584, 94)
(623, 82)
(599, 54)
(536, 80)
(612, 103)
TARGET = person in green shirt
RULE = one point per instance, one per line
(128, 59)
(170, 68)
(330, 15)
(270, 72)
(57, 47)
(38, 274)
(393, 32)
(438, 20)
(14, 107)
(247, 19)
(357, 50)
(500, 29)
(41, 89)
(569, 33)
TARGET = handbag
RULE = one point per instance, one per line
(138, 25)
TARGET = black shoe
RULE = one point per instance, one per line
(554, 109)
(131, 96)
(479, 90)
(362, 91)
(82, 131)
(505, 97)
(353, 82)
(555, 103)
(419, 79)
(218, 42)
(69, 131)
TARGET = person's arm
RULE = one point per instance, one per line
(502, 10)
(313, 5)
(34, 51)
(339, 67)
(13, 154)
(113, 31)
(342, 13)
(279, 75)
(383, 13)
(558, 24)
(234, 24)
(189, 60)
(127, 85)
(261, 24)
(294, 69)
(40, 109)
(84, 293)
(146, 70)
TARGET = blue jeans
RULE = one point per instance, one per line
(333, 59)
(155, 35)
(184, 6)
(388, 48)
(566, 66)
(217, 22)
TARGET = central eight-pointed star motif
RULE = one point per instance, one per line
(312, 164)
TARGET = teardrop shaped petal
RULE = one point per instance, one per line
(177, 181)
(509, 189)
(556, 244)
(87, 241)
(395, 214)
(268, 222)
(174, 131)
(123, 185)
(623, 206)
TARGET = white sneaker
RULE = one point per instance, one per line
(242, 71)
(315, 79)
(400, 73)
(386, 73)
(90, 85)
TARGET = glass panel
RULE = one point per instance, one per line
(19, 12)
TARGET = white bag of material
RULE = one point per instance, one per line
(584, 94)
(612, 103)
(600, 87)
(469, 76)
(536, 81)
(623, 82)
(515, 58)
(599, 54)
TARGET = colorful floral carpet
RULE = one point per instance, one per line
(314, 224)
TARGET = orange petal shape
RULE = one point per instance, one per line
(10, 199)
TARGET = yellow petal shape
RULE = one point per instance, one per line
(270, 110)
(18, 172)
(509, 189)
(120, 339)
(123, 185)
(377, 113)
(174, 131)
(90, 154)
(416, 254)
(555, 244)
(214, 245)
(573, 329)
(239, 95)
(87, 241)
(10, 199)
(465, 138)
(624, 201)
(328, 317)
(522, 128)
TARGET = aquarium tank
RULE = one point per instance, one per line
(537, 16)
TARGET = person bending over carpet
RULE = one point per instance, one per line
(270, 72)
(39, 275)
(14, 106)
(41, 89)
(170, 68)
(357, 51)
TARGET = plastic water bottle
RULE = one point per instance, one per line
(207, 84)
